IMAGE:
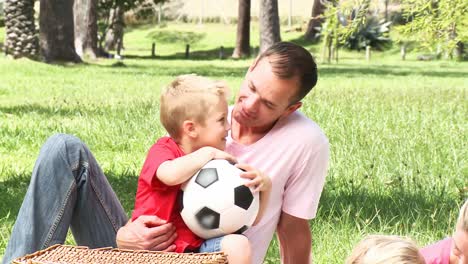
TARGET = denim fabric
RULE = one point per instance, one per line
(67, 189)
(211, 245)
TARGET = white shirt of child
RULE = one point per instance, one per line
(294, 154)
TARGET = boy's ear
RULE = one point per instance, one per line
(189, 128)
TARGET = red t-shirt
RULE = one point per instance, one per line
(438, 253)
(156, 198)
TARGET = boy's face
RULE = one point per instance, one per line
(216, 127)
(460, 245)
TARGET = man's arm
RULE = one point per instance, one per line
(295, 239)
(147, 233)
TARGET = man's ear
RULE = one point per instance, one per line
(190, 128)
(291, 109)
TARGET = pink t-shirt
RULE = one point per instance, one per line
(295, 155)
(438, 253)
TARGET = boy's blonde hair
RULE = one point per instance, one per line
(380, 249)
(463, 217)
(189, 97)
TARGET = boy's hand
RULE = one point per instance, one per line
(258, 180)
(215, 153)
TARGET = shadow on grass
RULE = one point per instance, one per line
(344, 70)
(205, 70)
(340, 70)
(391, 207)
(73, 109)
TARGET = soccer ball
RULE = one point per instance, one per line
(215, 201)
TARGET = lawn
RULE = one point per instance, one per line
(397, 129)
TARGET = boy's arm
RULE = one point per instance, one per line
(177, 171)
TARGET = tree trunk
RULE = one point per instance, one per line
(315, 22)
(243, 30)
(57, 31)
(269, 24)
(86, 30)
(459, 51)
(115, 31)
(21, 36)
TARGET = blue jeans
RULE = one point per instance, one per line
(211, 245)
(67, 189)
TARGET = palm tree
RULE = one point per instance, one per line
(21, 36)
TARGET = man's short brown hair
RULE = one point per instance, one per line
(289, 60)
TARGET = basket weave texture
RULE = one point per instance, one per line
(65, 254)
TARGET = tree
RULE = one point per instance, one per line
(86, 30)
(57, 31)
(21, 35)
(113, 37)
(242, 48)
(438, 26)
(269, 24)
(315, 22)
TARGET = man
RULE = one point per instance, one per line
(267, 133)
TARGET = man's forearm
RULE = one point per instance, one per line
(295, 240)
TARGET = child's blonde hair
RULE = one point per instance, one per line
(189, 97)
(463, 217)
(380, 249)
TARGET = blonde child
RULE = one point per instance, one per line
(380, 249)
(452, 250)
(194, 112)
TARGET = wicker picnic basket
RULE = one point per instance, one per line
(65, 254)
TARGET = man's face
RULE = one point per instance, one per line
(263, 97)
(460, 246)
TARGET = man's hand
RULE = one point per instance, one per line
(148, 233)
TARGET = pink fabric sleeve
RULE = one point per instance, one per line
(303, 189)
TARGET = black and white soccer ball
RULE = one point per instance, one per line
(215, 201)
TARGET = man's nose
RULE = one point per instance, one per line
(251, 103)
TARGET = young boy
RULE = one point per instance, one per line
(452, 250)
(380, 249)
(194, 112)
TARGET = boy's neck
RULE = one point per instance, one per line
(186, 145)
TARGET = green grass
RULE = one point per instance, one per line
(397, 129)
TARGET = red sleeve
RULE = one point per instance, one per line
(163, 150)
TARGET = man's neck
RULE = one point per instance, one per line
(248, 135)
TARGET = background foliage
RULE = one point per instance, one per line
(397, 129)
